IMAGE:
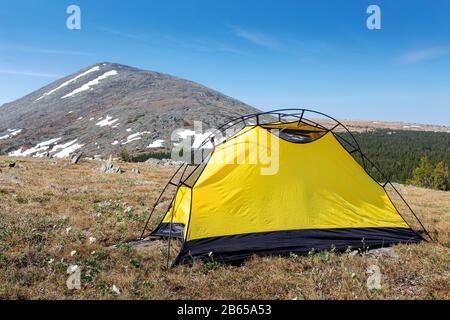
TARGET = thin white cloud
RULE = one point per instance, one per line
(257, 38)
(155, 38)
(422, 55)
(16, 47)
(29, 73)
(122, 34)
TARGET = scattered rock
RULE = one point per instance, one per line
(108, 167)
(374, 279)
(353, 253)
(164, 162)
(74, 159)
(70, 190)
(86, 233)
(135, 170)
(12, 179)
(153, 161)
(384, 252)
(115, 289)
(73, 282)
(104, 204)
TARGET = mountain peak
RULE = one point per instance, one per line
(108, 106)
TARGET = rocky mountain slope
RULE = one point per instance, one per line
(108, 106)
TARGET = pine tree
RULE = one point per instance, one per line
(423, 174)
(440, 177)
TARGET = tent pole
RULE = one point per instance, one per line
(388, 181)
(170, 235)
(157, 201)
(412, 211)
(301, 118)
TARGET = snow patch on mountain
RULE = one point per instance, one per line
(196, 138)
(63, 146)
(106, 122)
(183, 134)
(134, 137)
(87, 86)
(156, 144)
(12, 133)
(96, 68)
(43, 146)
(68, 149)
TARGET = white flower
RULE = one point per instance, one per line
(68, 230)
(92, 240)
(50, 261)
(73, 252)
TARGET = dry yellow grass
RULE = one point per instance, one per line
(49, 208)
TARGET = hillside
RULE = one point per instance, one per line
(51, 213)
(369, 126)
(107, 106)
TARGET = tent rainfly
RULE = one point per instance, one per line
(318, 198)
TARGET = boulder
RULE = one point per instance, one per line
(384, 252)
(73, 282)
(164, 162)
(109, 167)
(374, 279)
(115, 289)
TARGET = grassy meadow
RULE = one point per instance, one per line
(53, 215)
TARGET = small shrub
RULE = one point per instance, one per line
(124, 155)
(135, 262)
(81, 238)
(150, 155)
(210, 265)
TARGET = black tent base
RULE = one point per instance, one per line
(236, 248)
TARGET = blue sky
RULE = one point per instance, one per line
(269, 54)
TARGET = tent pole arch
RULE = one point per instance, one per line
(298, 113)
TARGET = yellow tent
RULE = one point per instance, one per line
(312, 195)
